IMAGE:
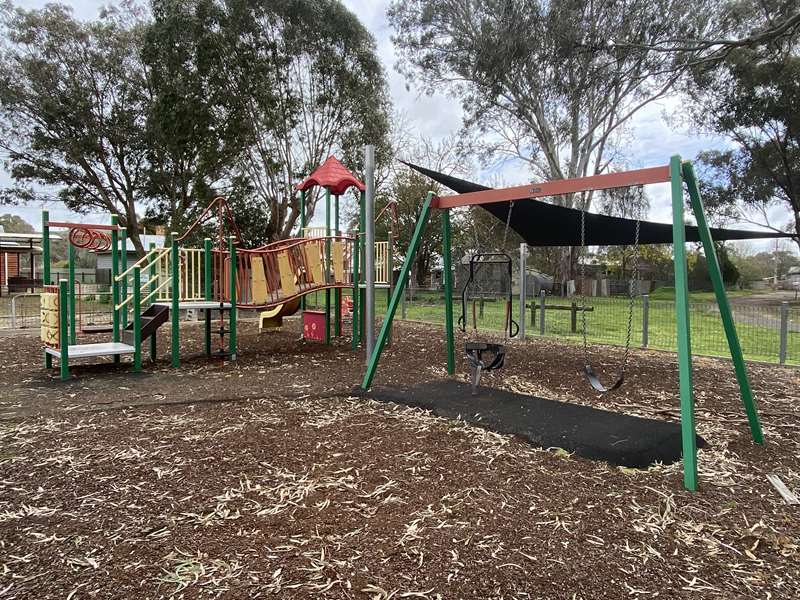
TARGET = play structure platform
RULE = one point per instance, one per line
(90, 350)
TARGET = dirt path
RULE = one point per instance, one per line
(263, 478)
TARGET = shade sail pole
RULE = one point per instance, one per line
(369, 250)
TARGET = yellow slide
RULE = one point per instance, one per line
(273, 318)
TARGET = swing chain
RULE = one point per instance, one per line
(633, 291)
(508, 223)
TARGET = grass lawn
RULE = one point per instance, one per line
(757, 326)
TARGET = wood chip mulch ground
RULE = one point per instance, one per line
(265, 478)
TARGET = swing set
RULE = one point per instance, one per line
(544, 225)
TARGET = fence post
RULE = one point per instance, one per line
(645, 319)
(541, 312)
(403, 304)
(784, 332)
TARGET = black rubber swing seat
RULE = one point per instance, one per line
(595, 382)
(475, 355)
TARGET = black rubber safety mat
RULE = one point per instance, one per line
(589, 432)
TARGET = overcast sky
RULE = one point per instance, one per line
(653, 141)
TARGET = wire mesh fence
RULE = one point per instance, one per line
(766, 333)
(22, 311)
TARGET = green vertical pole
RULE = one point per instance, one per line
(362, 292)
(63, 306)
(372, 365)
(356, 321)
(232, 317)
(48, 358)
(73, 334)
(115, 323)
(123, 259)
(328, 266)
(208, 282)
(725, 312)
(302, 234)
(153, 284)
(448, 292)
(337, 295)
(137, 320)
(174, 259)
(688, 434)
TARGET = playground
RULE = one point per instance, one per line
(267, 448)
(264, 475)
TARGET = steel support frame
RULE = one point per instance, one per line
(676, 174)
(413, 246)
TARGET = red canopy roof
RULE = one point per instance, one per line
(332, 175)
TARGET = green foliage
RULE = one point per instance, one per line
(304, 79)
(193, 136)
(764, 264)
(72, 98)
(538, 80)
(698, 266)
(15, 224)
(137, 116)
(408, 190)
(751, 96)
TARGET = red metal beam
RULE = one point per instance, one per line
(82, 226)
(559, 187)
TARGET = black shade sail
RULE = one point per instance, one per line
(544, 224)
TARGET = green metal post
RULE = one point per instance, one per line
(174, 259)
(123, 243)
(448, 292)
(48, 358)
(362, 292)
(337, 293)
(327, 266)
(137, 320)
(302, 234)
(372, 365)
(688, 434)
(63, 306)
(73, 334)
(115, 322)
(354, 340)
(232, 316)
(208, 282)
(722, 301)
(152, 285)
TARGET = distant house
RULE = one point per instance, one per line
(792, 280)
(103, 267)
(15, 249)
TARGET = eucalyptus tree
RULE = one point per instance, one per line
(752, 97)
(73, 109)
(304, 81)
(529, 88)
